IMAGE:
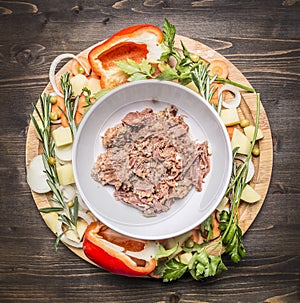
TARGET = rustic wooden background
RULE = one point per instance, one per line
(262, 38)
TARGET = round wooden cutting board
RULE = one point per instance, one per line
(247, 109)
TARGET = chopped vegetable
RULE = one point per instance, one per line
(250, 171)
(230, 116)
(219, 68)
(53, 66)
(65, 174)
(62, 136)
(249, 195)
(36, 176)
(249, 132)
(74, 236)
(117, 253)
(78, 83)
(81, 66)
(237, 96)
(240, 141)
(136, 43)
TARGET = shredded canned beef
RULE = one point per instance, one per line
(151, 160)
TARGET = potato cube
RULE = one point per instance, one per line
(230, 116)
(250, 195)
(241, 141)
(65, 174)
(62, 136)
(249, 131)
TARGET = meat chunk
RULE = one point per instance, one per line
(151, 160)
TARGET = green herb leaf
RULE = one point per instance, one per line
(137, 76)
(203, 265)
(128, 66)
(164, 253)
(101, 93)
(207, 228)
(173, 270)
(169, 32)
(50, 209)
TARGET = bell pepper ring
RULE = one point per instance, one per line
(117, 253)
(136, 42)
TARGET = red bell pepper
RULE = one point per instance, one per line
(135, 42)
(117, 253)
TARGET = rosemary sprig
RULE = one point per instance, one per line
(66, 214)
(71, 106)
(203, 81)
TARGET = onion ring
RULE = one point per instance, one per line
(237, 96)
(53, 66)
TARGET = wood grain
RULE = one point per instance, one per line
(261, 38)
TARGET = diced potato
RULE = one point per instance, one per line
(222, 204)
(65, 174)
(249, 131)
(81, 227)
(93, 85)
(230, 116)
(250, 195)
(62, 136)
(51, 220)
(241, 141)
(78, 82)
(193, 87)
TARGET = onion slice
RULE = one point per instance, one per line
(237, 96)
(36, 176)
(53, 66)
(251, 169)
(84, 216)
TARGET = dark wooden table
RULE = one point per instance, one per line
(262, 38)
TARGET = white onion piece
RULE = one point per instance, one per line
(81, 203)
(86, 217)
(147, 253)
(237, 96)
(68, 192)
(36, 176)
(64, 153)
(251, 169)
(53, 66)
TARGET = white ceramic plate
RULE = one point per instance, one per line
(204, 123)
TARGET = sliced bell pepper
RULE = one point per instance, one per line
(117, 253)
(135, 42)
